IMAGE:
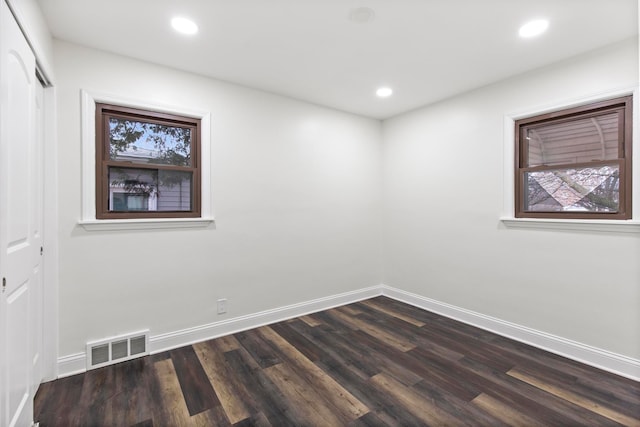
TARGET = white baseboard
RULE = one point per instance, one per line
(189, 336)
(72, 364)
(76, 363)
(602, 359)
(598, 358)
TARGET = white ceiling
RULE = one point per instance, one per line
(426, 50)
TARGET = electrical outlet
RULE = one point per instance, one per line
(222, 305)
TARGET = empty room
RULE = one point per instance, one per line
(319, 213)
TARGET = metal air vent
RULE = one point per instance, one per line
(117, 349)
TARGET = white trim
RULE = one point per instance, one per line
(602, 359)
(508, 189)
(607, 226)
(145, 224)
(72, 364)
(88, 214)
(76, 363)
(51, 263)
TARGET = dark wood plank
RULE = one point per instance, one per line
(426, 411)
(264, 395)
(309, 320)
(145, 423)
(364, 354)
(45, 393)
(215, 416)
(386, 409)
(369, 419)
(170, 409)
(261, 352)
(445, 374)
(194, 383)
(257, 420)
(331, 346)
(61, 406)
(231, 394)
(341, 401)
(98, 388)
(457, 407)
(390, 338)
(504, 412)
(307, 347)
(381, 307)
(312, 404)
(414, 312)
(130, 405)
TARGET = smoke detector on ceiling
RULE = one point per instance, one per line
(361, 15)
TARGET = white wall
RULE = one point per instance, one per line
(296, 191)
(443, 197)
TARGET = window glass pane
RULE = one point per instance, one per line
(574, 141)
(133, 189)
(142, 142)
(174, 191)
(118, 201)
(573, 190)
(137, 202)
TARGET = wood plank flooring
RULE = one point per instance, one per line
(374, 363)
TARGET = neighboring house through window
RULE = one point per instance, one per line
(147, 164)
(575, 163)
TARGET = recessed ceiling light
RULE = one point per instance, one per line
(534, 28)
(184, 25)
(384, 92)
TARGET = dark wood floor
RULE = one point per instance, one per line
(374, 363)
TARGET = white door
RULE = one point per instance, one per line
(20, 224)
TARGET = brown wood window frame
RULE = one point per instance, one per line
(624, 160)
(103, 161)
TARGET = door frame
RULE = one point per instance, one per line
(50, 230)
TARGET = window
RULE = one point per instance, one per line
(575, 163)
(147, 164)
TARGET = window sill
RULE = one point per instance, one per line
(604, 226)
(145, 224)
